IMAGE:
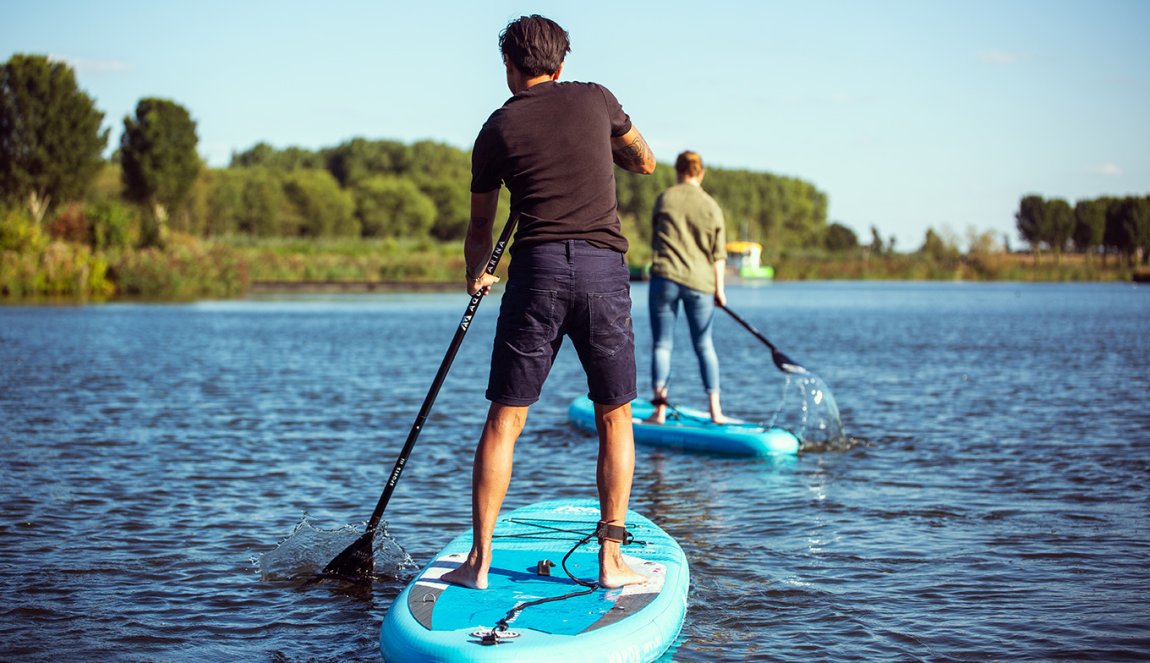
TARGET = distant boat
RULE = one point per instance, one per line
(745, 259)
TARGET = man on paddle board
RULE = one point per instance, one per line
(555, 146)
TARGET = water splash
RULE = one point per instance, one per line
(816, 422)
(308, 549)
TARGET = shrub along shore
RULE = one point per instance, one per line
(184, 268)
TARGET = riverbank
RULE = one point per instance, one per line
(186, 268)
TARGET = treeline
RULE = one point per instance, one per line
(1107, 225)
(155, 221)
(775, 211)
(52, 144)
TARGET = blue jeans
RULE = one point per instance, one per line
(663, 306)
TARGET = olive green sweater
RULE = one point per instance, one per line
(688, 237)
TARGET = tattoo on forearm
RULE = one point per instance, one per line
(635, 154)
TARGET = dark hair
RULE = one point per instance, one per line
(534, 44)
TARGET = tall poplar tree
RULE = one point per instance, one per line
(50, 137)
(158, 156)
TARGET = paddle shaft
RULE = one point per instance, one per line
(440, 376)
(782, 362)
(749, 328)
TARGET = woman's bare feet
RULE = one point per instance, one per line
(659, 416)
(471, 574)
(716, 409)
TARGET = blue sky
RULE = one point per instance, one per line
(908, 114)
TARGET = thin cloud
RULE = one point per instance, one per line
(83, 66)
(1109, 170)
(999, 56)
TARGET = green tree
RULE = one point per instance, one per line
(318, 207)
(1057, 225)
(1029, 220)
(1089, 224)
(438, 161)
(452, 200)
(224, 201)
(636, 196)
(840, 238)
(158, 155)
(393, 207)
(938, 247)
(261, 204)
(1128, 227)
(358, 160)
(287, 159)
(50, 137)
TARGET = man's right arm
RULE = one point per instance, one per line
(478, 244)
(631, 152)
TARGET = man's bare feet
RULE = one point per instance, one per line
(614, 571)
(470, 574)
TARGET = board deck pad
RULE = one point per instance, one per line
(513, 574)
(433, 620)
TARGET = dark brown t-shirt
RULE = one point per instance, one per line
(551, 146)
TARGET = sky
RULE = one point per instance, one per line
(908, 115)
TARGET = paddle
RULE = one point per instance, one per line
(783, 362)
(356, 562)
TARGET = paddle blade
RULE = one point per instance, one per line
(786, 364)
(356, 563)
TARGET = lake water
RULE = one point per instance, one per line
(993, 506)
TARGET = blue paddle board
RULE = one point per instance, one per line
(435, 621)
(691, 429)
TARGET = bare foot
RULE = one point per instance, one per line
(720, 420)
(469, 574)
(614, 572)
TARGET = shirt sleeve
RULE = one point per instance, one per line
(720, 251)
(620, 121)
(486, 161)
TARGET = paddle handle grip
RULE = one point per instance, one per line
(440, 376)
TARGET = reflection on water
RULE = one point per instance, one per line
(997, 509)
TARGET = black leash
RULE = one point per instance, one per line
(500, 631)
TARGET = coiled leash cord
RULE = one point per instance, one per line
(606, 531)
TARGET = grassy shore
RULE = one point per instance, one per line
(188, 268)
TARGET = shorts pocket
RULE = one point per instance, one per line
(610, 316)
(527, 320)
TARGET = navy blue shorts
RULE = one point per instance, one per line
(564, 288)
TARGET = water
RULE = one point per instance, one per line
(993, 506)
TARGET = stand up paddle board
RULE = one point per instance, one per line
(435, 621)
(691, 429)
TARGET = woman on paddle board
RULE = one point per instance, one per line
(555, 146)
(689, 243)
